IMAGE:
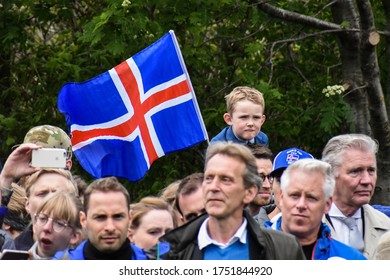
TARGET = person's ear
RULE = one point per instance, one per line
(250, 194)
(263, 118)
(83, 219)
(27, 205)
(281, 199)
(227, 118)
(328, 204)
(69, 164)
(76, 239)
(130, 234)
(6, 227)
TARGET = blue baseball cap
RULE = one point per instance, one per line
(284, 158)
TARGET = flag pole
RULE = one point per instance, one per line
(179, 54)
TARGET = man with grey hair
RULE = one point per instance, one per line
(227, 231)
(307, 186)
(355, 222)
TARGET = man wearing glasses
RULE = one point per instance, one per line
(264, 159)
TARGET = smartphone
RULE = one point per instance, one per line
(14, 255)
(49, 158)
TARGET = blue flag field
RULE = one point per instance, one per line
(124, 119)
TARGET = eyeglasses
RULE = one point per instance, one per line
(42, 219)
(269, 177)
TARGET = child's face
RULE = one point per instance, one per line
(246, 120)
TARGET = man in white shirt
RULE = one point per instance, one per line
(355, 222)
(231, 181)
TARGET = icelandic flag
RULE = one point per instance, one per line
(124, 119)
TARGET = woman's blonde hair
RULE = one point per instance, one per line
(147, 204)
(64, 206)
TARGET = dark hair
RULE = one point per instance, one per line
(80, 183)
(108, 184)
(187, 186)
(261, 151)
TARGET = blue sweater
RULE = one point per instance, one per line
(326, 247)
(77, 253)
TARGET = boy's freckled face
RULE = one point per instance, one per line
(246, 120)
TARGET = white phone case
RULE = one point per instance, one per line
(49, 157)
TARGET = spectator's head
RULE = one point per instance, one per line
(81, 186)
(189, 200)
(264, 159)
(17, 218)
(245, 112)
(286, 157)
(169, 192)
(57, 224)
(231, 180)
(151, 218)
(169, 195)
(307, 188)
(44, 182)
(282, 160)
(353, 161)
(106, 216)
(49, 136)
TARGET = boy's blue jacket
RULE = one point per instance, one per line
(326, 247)
(227, 135)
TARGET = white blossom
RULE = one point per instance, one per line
(333, 90)
(126, 3)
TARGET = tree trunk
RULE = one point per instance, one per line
(379, 120)
(349, 47)
(386, 6)
(360, 70)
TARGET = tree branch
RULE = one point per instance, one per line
(306, 20)
(315, 34)
(296, 17)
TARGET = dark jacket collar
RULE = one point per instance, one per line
(186, 235)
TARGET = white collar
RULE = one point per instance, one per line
(335, 212)
(204, 238)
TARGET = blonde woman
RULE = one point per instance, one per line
(56, 225)
(151, 218)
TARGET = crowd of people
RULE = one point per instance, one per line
(245, 204)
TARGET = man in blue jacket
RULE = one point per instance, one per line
(307, 186)
(106, 221)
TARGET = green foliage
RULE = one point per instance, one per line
(225, 43)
